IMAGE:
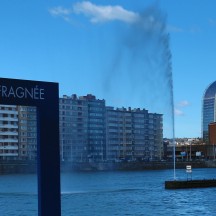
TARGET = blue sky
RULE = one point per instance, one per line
(76, 43)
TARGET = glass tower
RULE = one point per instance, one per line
(209, 109)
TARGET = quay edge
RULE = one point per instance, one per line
(186, 184)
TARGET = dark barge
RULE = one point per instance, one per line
(183, 184)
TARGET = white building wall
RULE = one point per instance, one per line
(9, 132)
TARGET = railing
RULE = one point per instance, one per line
(9, 133)
(9, 112)
(8, 119)
(8, 126)
(8, 147)
(9, 154)
(9, 140)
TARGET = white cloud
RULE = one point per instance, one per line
(59, 11)
(178, 112)
(183, 103)
(178, 109)
(192, 29)
(171, 28)
(99, 13)
(96, 13)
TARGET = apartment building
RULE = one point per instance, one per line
(9, 142)
(27, 116)
(89, 131)
(96, 128)
(133, 134)
(82, 128)
(73, 128)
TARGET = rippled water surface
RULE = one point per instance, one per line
(111, 193)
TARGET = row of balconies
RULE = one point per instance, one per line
(8, 119)
(8, 126)
(8, 133)
(9, 147)
(8, 140)
(9, 154)
(9, 112)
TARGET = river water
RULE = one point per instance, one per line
(112, 193)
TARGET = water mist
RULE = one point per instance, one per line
(140, 72)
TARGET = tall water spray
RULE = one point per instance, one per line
(141, 71)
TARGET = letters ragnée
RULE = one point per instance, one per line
(34, 93)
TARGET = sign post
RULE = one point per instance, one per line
(44, 96)
(189, 171)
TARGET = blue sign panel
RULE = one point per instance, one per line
(44, 96)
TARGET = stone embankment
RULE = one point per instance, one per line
(124, 166)
(8, 167)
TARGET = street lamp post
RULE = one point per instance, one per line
(190, 151)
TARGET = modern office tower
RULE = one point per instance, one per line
(27, 132)
(133, 134)
(208, 109)
(9, 132)
(82, 128)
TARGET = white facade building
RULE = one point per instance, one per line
(9, 141)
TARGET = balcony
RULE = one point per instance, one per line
(9, 119)
(8, 140)
(8, 147)
(9, 133)
(9, 154)
(8, 126)
(14, 112)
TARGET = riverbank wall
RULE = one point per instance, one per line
(10, 167)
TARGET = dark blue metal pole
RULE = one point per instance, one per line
(49, 200)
